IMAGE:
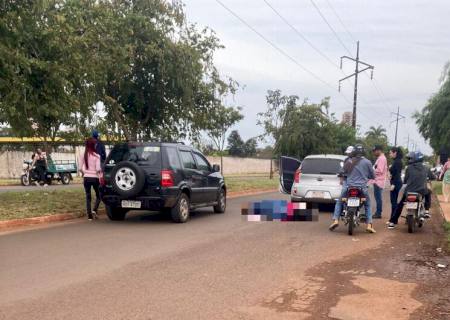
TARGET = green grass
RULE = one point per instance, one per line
(236, 185)
(9, 182)
(18, 205)
(437, 187)
(41, 201)
(447, 229)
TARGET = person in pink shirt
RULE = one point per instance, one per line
(91, 171)
(381, 170)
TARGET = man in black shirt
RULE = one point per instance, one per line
(416, 178)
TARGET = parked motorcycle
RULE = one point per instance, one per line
(415, 209)
(352, 206)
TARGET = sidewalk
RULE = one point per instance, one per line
(445, 206)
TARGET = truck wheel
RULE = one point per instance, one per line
(180, 213)
(221, 202)
(115, 214)
(65, 178)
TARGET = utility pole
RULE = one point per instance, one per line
(357, 71)
(399, 117)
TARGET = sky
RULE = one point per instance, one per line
(406, 41)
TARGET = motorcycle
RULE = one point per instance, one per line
(30, 175)
(352, 205)
(415, 208)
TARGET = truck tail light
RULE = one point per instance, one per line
(297, 175)
(167, 178)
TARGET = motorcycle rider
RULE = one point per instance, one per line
(40, 164)
(358, 171)
(416, 178)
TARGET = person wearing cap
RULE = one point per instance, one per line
(99, 146)
(381, 170)
(357, 172)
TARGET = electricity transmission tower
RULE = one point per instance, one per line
(357, 71)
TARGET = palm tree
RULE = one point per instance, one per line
(378, 132)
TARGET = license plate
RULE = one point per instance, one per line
(412, 205)
(353, 202)
(131, 204)
(317, 194)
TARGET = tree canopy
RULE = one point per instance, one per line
(151, 68)
(434, 119)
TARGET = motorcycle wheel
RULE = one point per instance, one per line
(410, 222)
(25, 180)
(65, 178)
(351, 221)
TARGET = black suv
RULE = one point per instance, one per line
(169, 177)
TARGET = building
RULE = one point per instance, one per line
(347, 118)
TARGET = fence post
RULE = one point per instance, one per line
(271, 170)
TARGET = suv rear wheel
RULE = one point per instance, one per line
(115, 214)
(180, 213)
(221, 202)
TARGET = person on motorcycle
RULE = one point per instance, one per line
(416, 179)
(40, 164)
(358, 171)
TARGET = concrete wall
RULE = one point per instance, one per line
(11, 163)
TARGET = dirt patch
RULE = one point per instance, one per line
(399, 280)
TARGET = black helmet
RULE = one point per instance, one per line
(359, 150)
(414, 156)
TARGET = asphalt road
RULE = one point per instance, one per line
(213, 267)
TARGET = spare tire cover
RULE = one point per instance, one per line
(127, 179)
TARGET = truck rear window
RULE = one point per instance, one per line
(322, 166)
(136, 153)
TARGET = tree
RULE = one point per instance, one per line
(250, 147)
(377, 132)
(44, 74)
(221, 119)
(235, 144)
(434, 120)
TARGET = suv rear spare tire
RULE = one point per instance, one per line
(180, 213)
(127, 179)
(115, 213)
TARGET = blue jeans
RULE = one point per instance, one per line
(378, 193)
(338, 206)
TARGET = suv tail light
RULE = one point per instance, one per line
(167, 178)
(297, 175)
(411, 198)
(353, 193)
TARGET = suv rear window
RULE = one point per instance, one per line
(322, 166)
(126, 152)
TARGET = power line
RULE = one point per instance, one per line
(331, 28)
(274, 45)
(300, 34)
(310, 44)
(340, 20)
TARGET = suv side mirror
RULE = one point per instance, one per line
(216, 168)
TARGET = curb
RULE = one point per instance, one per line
(16, 223)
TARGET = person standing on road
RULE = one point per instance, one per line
(358, 171)
(395, 171)
(445, 177)
(91, 172)
(99, 147)
(379, 182)
(416, 179)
